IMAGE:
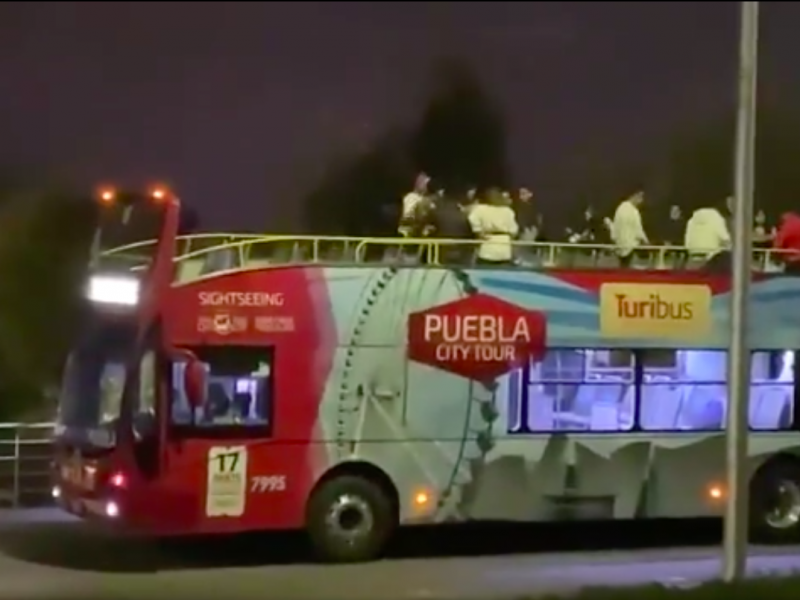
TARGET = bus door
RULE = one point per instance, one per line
(220, 450)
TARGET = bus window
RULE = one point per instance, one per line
(576, 390)
(239, 391)
(689, 392)
(144, 411)
(683, 390)
(771, 390)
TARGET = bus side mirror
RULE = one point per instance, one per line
(194, 382)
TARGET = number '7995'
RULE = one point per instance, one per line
(264, 484)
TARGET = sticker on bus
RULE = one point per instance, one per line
(226, 490)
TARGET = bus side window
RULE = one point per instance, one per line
(772, 390)
(239, 392)
(687, 390)
(573, 390)
(682, 390)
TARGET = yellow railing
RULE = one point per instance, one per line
(187, 243)
(204, 254)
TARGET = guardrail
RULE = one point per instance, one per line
(26, 451)
(207, 254)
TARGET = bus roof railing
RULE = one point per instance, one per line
(206, 254)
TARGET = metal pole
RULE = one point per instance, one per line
(736, 514)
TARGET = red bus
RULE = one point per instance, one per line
(347, 386)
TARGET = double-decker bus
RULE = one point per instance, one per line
(347, 386)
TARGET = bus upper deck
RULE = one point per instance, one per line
(199, 255)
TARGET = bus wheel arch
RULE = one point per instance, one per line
(774, 507)
(351, 512)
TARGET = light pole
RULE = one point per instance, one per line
(736, 513)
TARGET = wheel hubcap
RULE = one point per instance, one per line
(783, 511)
(349, 519)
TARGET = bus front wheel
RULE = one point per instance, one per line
(349, 519)
(775, 503)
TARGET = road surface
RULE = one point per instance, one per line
(44, 558)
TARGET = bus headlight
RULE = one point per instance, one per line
(112, 510)
(114, 290)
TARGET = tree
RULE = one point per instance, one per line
(352, 196)
(44, 241)
(460, 140)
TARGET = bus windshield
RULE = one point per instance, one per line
(125, 221)
(91, 392)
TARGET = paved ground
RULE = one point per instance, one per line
(45, 557)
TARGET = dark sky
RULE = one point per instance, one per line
(239, 104)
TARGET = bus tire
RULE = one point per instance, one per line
(775, 503)
(349, 519)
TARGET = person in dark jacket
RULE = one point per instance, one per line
(673, 228)
(763, 233)
(527, 217)
(449, 221)
(588, 231)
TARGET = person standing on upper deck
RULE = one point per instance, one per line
(584, 231)
(414, 203)
(494, 223)
(763, 233)
(527, 218)
(627, 231)
(707, 236)
(707, 233)
(673, 229)
(788, 240)
(449, 220)
(469, 202)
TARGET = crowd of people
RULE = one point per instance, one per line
(496, 217)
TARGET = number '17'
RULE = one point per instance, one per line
(227, 463)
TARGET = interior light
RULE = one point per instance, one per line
(114, 290)
(112, 510)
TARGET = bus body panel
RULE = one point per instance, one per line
(345, 390)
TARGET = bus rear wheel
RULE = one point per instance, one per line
(775, 503)
(349, 519)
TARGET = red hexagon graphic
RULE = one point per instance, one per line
(480, 337)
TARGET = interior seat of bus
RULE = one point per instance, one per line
(687, 395)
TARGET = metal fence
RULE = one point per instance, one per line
(26, 451)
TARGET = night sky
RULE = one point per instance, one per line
(239, 104)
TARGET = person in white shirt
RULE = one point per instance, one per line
(627, 231)
(707, 234)
(414, 203)
(495, 224)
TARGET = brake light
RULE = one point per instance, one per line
(118, 480)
